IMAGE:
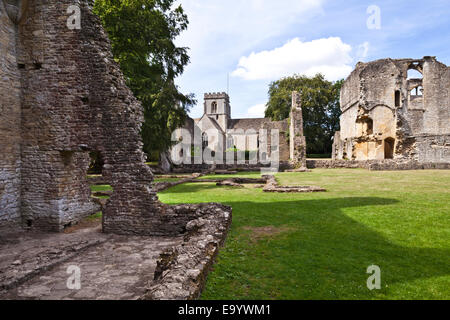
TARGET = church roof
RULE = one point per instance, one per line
(255, 123)
(213, 121)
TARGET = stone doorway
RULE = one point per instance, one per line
(389, 145)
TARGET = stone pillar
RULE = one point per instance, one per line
(297, 139)
(337, 152)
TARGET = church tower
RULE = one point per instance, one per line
(217, 107)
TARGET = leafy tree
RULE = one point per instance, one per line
(142, 33)
(320, 104)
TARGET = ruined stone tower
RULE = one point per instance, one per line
(390, 113)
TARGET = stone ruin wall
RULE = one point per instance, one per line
(297, 139)
(74, 101)
(10, 119)
(66, 97)
(414, 127)
(266, 124)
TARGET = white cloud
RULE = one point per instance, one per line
(221, 29)
(257, 111)
(329, 56)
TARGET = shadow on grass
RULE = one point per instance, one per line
(192, 187)
(324, 255)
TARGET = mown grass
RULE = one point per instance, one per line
(325, 242)
(166, 180)
(101, 188)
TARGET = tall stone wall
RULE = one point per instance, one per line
(297, 139)
(64, 96)
(73, 101)
(283, 143)
(10, 121)
(433, 148)
(386, 114)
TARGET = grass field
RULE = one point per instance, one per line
(319, 245)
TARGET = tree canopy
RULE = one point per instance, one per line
(320, 104)
(142, 33)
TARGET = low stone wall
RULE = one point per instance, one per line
(191, 168)
(97, 180)
(182, 271)
(375, 165)
(161, 186)
(273, 186)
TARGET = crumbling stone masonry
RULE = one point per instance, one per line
(63, 96)
(390, 113)
(297, 139)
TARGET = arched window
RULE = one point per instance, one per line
(214, 107)
(415, 71)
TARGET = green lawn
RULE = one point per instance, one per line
(101, 188)
(319, 245)
(155, 180)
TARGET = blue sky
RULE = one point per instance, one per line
(259, 41)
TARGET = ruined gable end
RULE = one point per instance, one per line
(395, 109)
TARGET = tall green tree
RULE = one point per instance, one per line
(320, 104)
(142, 33)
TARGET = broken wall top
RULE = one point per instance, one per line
(369, 84)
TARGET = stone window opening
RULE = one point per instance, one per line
(67, 157)
(21, 65)
(96, 164)
(37, 65)
(366, 125)
(417, 91)
(397, 98)
(205, 141)
(415, 73)
(214, 107)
